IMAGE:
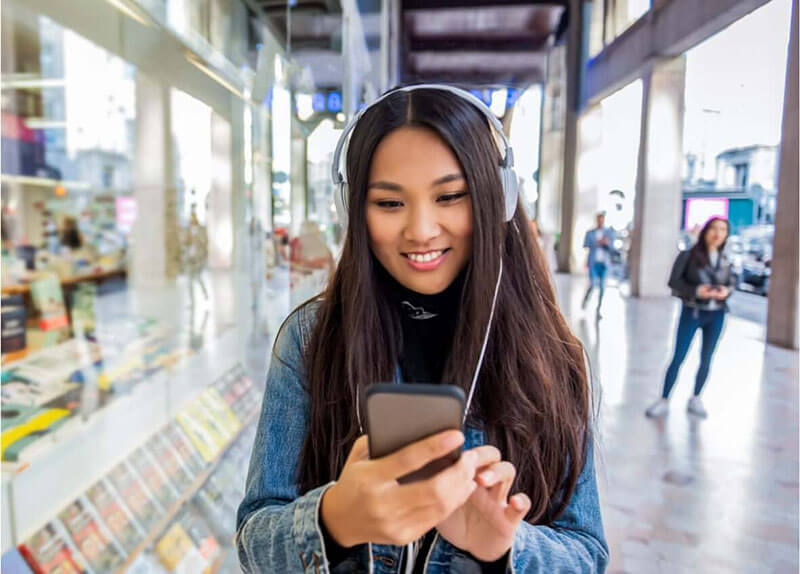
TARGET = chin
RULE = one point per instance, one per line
(430, 286)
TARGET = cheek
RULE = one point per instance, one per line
(380, 229)
(460, 225)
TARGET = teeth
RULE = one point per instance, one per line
(424, 258)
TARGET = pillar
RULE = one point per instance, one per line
(153, 234)
(657, 207)
(782, 311)
(220, 198)
(568, 194)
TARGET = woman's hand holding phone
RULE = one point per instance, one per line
(486, 523)
(367, 504)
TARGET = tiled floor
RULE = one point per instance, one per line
(683, 495)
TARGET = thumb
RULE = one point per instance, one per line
(518, 507)
(360, 450)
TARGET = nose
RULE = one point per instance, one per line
(422, 225)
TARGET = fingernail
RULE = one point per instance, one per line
(487, 476)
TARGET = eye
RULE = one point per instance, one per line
(389, 203)
(451, 197)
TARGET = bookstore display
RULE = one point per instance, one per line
(169, 506)
(46, 388)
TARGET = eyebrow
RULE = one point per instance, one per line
(389, 186)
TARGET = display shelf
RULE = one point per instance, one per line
(175, 508)
(82, 450)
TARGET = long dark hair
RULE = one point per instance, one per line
(532, 399)
(699, 251)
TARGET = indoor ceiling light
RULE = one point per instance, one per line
(195, 60)
(132, 11)
(24, 81)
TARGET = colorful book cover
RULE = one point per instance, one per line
(175, 435)
(200, 533)
(48, 300)
(153, 477)
(221, 411)
(24, 425)
(173, 547)
(145, 508)
(207, 443)
(14, 327)
(112, 512)
(205, 415)
(48, 551)
(93, 542)
(168, 458)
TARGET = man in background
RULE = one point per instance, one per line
(599, 241)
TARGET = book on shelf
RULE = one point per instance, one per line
(207, 442)
(137, 498)
(221, 411)
(170, 461)
(48, 300)
(114, 514)
(177, 552)
(13, 322)
(180, 441)
(50, 551)
(24, 425)
(91, 537)
(199, 532)
(153, 477)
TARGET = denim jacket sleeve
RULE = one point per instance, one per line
(576, 542)
(278, 530)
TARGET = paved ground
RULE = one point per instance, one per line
(683, 495)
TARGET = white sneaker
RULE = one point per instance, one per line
(658, 408)
(696, 407)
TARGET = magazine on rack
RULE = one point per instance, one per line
(153, 477)
(137, 498)
(177, 438)
(115, 516)
(170, 461)
(51, 551)
(23, 425)
(93, 540)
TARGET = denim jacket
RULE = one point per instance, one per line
(278, 531)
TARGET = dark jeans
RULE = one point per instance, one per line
(691, 320)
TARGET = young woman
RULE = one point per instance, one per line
(410, 302)
(701, 277)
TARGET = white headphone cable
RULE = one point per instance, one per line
(485, 342)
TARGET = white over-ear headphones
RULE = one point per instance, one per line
(508, 176)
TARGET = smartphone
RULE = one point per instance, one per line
(400, 414)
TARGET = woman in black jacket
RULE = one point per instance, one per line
(702, 278)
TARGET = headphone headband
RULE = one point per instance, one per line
(507, 176)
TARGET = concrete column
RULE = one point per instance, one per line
(551, 148)
(657, 206)
(782, 313)
(568, 194)
(238, 184)
(154, 187)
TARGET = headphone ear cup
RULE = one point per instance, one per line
(340, 201)
(510, 191)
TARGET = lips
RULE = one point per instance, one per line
(426, 260)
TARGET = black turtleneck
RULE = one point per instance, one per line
(428, 323)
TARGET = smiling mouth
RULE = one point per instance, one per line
(425, 257)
